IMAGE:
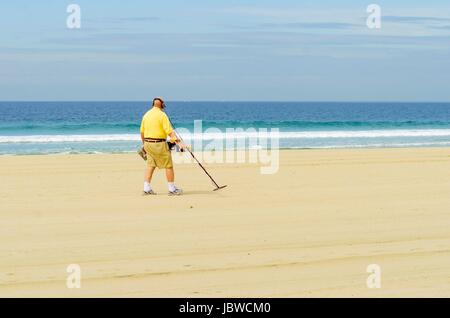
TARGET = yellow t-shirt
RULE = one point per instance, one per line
(155, 124)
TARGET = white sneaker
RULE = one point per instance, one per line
(177, 191)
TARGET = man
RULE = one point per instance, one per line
(155, 128)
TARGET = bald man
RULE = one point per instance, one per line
(155, 128)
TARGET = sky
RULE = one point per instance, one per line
(246, 50)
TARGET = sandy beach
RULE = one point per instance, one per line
(310, 230)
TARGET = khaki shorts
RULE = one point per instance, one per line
(158, 155)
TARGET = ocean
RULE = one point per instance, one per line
(113, 127)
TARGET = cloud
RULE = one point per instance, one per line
(443, 27)
(277, 12)
(122, 20)
(424, 22)
(414, 19)
(311, 25)
(227, 44)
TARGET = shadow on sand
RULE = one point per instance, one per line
(198, 192)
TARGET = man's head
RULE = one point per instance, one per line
(158, 102)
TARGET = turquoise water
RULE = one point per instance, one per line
(91, 127)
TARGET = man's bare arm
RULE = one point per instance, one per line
(174, 138)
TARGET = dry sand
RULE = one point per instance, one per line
(309, 230)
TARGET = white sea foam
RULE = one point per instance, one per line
(383, 145)
(68, 138)
(235, 135)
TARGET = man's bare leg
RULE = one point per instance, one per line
(148, 178)
(149, 174)
(170, 175)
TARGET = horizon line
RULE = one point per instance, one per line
(223, 101)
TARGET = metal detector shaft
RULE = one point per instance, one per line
(201, 166)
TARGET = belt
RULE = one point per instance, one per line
(153, 140)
